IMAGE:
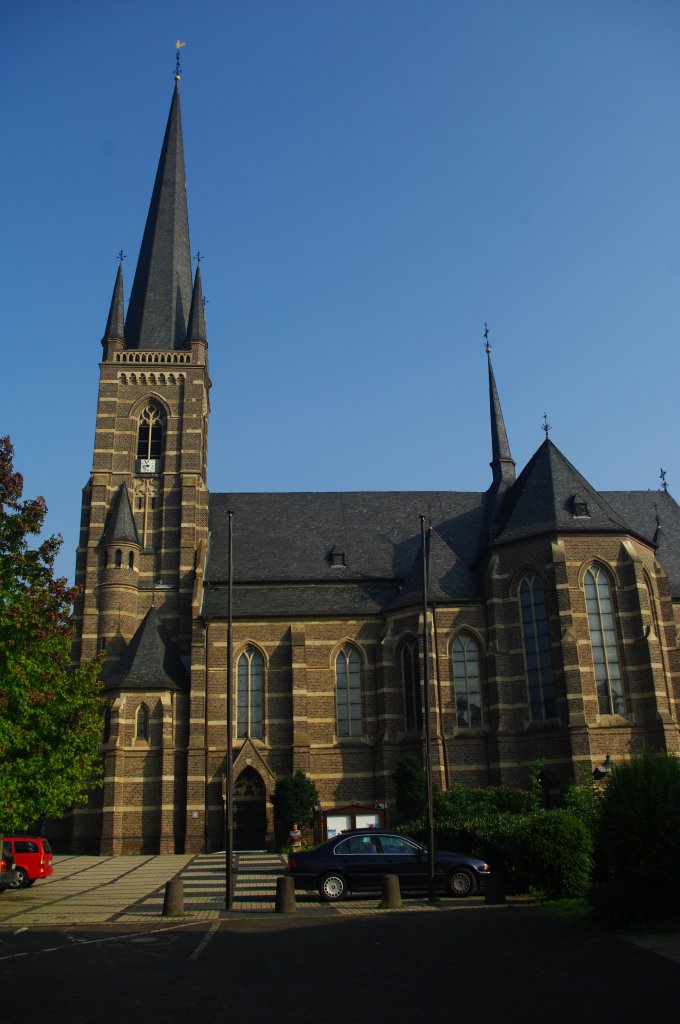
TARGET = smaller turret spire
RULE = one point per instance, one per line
(115, 325)
(196, 330)
(502, 462)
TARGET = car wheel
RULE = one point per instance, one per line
(22, 879)
(28, 883)
(332, 886)
(462, 882)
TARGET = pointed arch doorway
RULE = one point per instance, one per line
(250, 811)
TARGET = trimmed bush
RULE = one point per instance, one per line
(410, 786)
(555, 854)
(638, 843)
(294, 799)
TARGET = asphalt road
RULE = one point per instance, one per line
(509, 963)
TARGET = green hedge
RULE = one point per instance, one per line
(638, 844)
(549, 852)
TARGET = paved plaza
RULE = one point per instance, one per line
(130, 891)
(92, 890)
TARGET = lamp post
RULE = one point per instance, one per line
(428, 736)
(229, 803)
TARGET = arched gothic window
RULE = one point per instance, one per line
(249, 694)
(107, 724)
(348, 692)
(466, 682)
(142, 723)
(410, 677)
(536, 639)
(603, 642)
(150, 433)
(119, 558)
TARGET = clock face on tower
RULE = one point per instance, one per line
(147, 465)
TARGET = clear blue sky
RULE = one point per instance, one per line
(369, 181)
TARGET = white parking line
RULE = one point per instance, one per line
(97, 942)
(204, 941)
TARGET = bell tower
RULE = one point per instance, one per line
(144, 515)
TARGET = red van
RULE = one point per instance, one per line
(32, 858)
(8, 876)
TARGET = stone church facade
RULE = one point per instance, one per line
(552, 607)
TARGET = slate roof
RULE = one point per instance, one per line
(120, 522)
(282, 544)
(161, 292)
(541, 501)
(641, 509)
(150, 661)
(115, 325)
(196, 330)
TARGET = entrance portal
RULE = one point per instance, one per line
(250, 811)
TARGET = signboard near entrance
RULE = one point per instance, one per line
(338, 819)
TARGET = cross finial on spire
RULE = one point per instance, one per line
(545, 427)
(198, 257)
(486, 338)
(121, 256)
(178, 69)
(664, 482)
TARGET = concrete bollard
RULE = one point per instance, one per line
(391, 893)
(285, 895)
(173, 902)
(494, 890)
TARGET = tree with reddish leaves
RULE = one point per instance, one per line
(50, 712)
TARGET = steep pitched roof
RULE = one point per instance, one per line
(120, 523)
(641, 509)
(115, 325)
(448, 576)
(150, 661)
(282, 546)
(196, 330)
(161, 291)
(542, 501)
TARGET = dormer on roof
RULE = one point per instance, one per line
(337, 557)
(579, 507)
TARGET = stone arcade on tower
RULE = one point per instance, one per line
(553, 606)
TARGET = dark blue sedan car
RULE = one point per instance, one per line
(356, 861)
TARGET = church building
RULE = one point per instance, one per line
(552, 607)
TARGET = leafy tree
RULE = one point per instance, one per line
(50, 713)
(295, 797)
(410, 785)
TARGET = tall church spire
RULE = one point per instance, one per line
(161, 291)
(502, 462)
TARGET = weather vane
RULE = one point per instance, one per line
(178, 69)
(664, 482)
(121, 256)
(486, 338)
(546, 426)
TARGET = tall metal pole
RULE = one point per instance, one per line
(428, 733)
(229, 853)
